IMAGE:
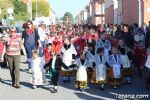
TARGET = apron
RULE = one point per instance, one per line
(101, 72)
(125, 61)
(116, 70)
(67, 55)
(116, 66)
(81, 72)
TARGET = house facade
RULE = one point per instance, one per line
(127, 11)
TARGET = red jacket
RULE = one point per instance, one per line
(139, 56)
(57, 45)
(48, 54)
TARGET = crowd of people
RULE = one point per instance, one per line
(102, 54)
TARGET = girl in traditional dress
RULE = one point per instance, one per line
(90, 53)
(81, 76)
(101, 65)
(54, 66)
(37, 70)
(115, 62)
(68, 55)
(103, 42)
(125, 51)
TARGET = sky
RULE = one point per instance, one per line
(72, 6)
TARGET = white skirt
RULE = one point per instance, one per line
(81, 74)
(116, 70)
(37, 78)
(125, 62)
(106, 54)
(101, 72)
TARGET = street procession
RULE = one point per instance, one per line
(98, 55)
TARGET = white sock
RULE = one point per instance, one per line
(56, 87)
(102, 85)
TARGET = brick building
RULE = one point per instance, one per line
(94, 12)
(127, 11)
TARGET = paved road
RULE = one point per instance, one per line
(66, 91)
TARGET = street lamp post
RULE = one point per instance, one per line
(30, 7)
(0, 11)
(140, 13)
(36, 8)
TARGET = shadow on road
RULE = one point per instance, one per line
(83, 96)
(24, 70)
(6, 82)
(26, 84)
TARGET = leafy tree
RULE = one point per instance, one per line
(20, 10)
(3, 5)
(68, 17)
(43, 8)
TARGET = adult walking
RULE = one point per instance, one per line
(42, 35)
(31, 41)
(12, 48)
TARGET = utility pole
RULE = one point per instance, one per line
(67, 19)
(36, 8)
(30, 9)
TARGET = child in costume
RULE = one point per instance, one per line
(54, 66)
(101, 66)
(103, 42)
(37, 70)
(125, 52)
(81, 76)
(115, 63)
(90, 53)
(68, 55)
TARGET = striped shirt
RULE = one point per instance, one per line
(1, 47)
(13, 45)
